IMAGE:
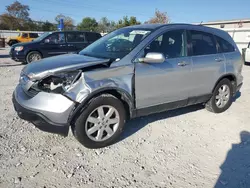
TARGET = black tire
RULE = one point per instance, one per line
(78, 128)
(29, 55)
(12, 42)
(211, 104)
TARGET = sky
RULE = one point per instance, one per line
(181, 11)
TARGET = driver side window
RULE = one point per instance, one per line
(56, 38)
(171, 44)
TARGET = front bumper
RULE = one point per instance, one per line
(17, 56)
(48, 112)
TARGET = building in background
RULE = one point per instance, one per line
(228, 24)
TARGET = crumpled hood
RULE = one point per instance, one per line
(49, 66)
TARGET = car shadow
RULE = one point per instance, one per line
(134, 125)
(235, 171)
(237, 96)
(4, 56)
(10, 65)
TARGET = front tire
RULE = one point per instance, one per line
(101, 122)
(33, 56)
(222, 97)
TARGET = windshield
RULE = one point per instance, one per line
(42, 36)
(117, 44)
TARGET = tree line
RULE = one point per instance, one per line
(17, 17)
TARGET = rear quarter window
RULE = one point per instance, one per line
(224, 46)
(34, 35)
(76, 37)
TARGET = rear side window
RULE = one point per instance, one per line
(224, 46)
(33, 35)
(92, 37)
(75, 37)
(202, 43)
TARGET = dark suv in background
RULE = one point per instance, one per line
(51, 44)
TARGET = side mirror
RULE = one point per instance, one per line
(153, 57)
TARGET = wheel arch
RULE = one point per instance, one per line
(230, 77)
(33, 50)
(121, 94)
(13, 40)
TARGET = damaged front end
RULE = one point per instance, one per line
(51, 98)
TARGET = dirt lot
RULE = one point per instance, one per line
(189, 147)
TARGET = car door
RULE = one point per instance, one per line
(54, 44)
(76, 41)
(207, 62)
(25, 37)
(165, 82)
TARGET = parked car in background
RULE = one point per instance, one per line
(51, 44)
(159, 67)
(22, 37)
(247, 54)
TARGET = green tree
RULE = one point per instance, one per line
(47, 26)
(16, 16)
(127, 22)
(133, 21)
(88, 24)
(105, 26)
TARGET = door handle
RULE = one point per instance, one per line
(62, 45)
(70, 45)
(219, 59)
(182, 64)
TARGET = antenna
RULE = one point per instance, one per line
(201, 22)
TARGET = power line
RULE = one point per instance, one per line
(94, 7)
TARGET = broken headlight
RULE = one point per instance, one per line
(60, 82)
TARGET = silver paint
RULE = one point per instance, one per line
(55, 107)
(155, 83)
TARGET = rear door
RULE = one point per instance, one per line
(232, 55)
(25, 37)
(76, 41)
(54, 44)
(207, 63)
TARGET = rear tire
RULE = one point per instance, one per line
(97, 129)
(11, 43)
(222, 97)
(33, 56)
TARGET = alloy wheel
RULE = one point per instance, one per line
(223, 96)
(102, 123)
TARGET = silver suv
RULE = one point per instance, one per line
(131, 72)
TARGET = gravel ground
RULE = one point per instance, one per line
(189, 147)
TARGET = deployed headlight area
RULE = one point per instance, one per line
(58, 83)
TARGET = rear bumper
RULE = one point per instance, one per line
(239, 87)
(45, 117)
